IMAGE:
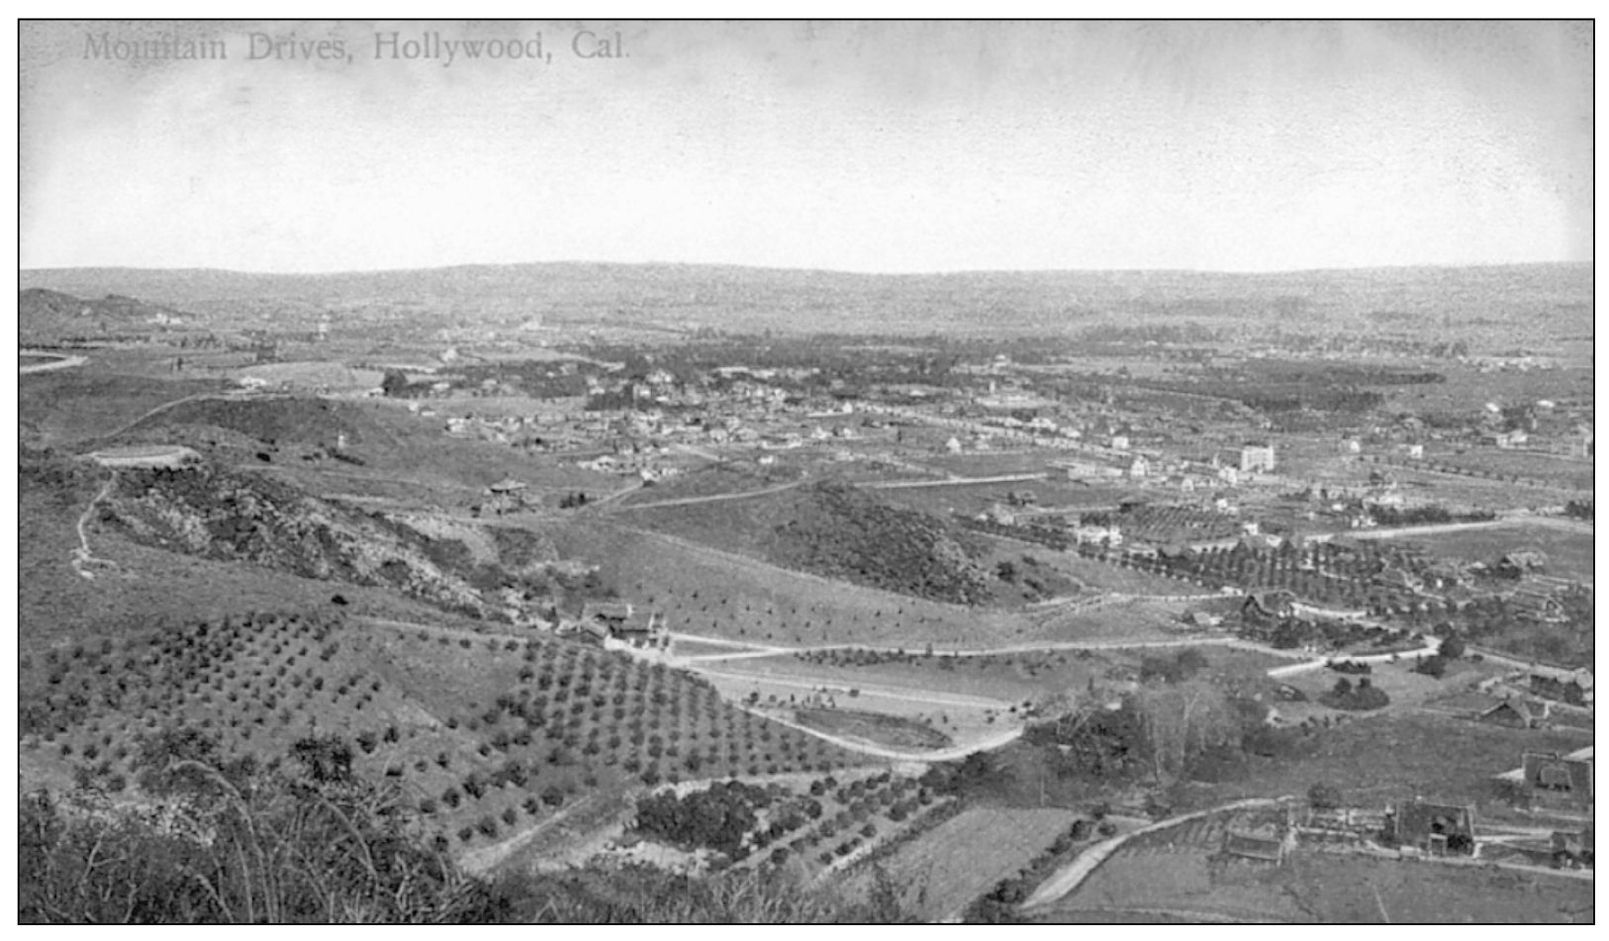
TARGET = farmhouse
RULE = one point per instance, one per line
(1516, 714)
(1555, 779)
(1433, 827)
(620, 619)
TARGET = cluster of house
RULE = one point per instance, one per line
(615, 622)
(1560, 786)
(641, 460)
(1224, 468)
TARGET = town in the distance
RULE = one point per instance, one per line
(1047, 597)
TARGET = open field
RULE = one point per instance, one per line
(967, 722)
(1026, 460)
(708, 592)
(1115, 622)
(711, 593)
(1374, 759)
(945, 869)
(1397, 680)
(1459, 490)
(972, 499)
(1550, 469)
(1102, 577)
(1466, 389)
(875, 727)
(1007, 678)
(1568, 548)
(714, 480)
(75, 405)
(1174, 869)
(310, 375)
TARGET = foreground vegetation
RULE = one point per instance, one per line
(220, 842)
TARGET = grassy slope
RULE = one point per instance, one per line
(836, 531)
(77, 405)
(704, 591)
(1375, 759)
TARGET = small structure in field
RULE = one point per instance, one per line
(1268, 843)
(506, 496)
(1573, 848)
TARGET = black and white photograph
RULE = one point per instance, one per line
(1098, 472)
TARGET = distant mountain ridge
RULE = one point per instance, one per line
(804, 300)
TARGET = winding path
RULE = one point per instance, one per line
(82, 557)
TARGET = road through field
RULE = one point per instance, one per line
(714, 498)
(754, 651)
(1503, 520)
(955, 753)
(906, 694)
(158, 410)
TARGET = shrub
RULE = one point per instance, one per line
(1434, 666)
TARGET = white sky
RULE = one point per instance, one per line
(863, 147)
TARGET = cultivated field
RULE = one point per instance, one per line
(874, 727)
(1174, 870)
(487, 735)
(945, 869)
(1173, 875)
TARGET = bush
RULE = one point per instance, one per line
(1361, 698)
(1324, 796)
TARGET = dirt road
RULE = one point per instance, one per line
(82, 557)
(62, 362)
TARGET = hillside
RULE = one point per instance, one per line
(304, 420)
(239, 517)
(836, 531)
(45, 315)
